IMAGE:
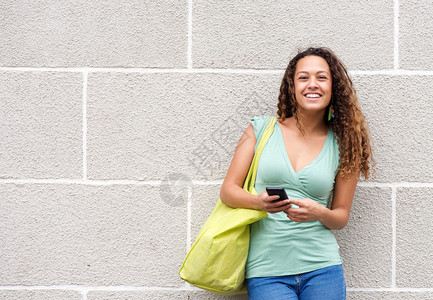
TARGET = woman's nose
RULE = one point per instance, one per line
(312, 83)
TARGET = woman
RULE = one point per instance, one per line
(319, 148)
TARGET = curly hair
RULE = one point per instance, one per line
(348, 124)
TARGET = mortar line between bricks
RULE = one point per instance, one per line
(140, 70)
(394, 238)
(391, 72)
(87, 289)
(396, 34)
(77, 288)
(416, 290)
(184, 183)
(189, 34)
(399, 72)
(85, 77)
(401, 184)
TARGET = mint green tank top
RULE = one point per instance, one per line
(279, 246)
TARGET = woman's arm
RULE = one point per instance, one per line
(232, 193)
(334, 218)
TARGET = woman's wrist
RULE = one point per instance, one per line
(332, 219)
(257, 204)
(321, 214)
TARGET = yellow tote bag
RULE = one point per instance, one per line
(216, 261)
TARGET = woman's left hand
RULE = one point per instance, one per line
(308, 210)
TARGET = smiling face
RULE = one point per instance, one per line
(313, 84)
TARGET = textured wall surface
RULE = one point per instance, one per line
(118, 121)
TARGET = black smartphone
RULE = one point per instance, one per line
(272, 191)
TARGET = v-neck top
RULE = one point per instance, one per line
(278, 245)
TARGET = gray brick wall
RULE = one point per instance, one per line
(118, 121)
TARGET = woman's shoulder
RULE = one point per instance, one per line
(259, 124)
(258, 120)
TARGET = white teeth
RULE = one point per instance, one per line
(312, 96)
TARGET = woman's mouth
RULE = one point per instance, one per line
(312, 96)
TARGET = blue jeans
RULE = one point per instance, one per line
(323, 284)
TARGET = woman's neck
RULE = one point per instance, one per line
(311, 124)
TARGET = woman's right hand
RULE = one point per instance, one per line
(270, 205)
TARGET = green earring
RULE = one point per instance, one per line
(330, 113)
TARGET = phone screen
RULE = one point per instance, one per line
(277, 191)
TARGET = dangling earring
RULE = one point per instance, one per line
(330, 113)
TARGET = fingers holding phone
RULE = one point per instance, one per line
(275, 200)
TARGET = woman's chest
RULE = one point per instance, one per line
(316, 178)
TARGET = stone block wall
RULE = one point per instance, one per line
(118, 121)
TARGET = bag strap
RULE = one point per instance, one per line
(251, 176)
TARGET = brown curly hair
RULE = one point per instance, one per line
(348, 123)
